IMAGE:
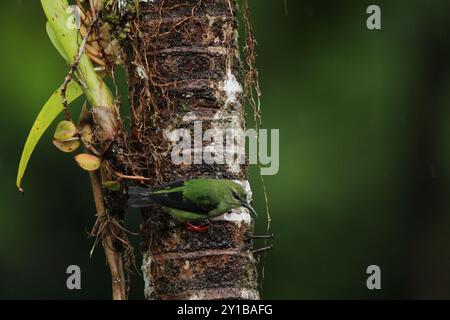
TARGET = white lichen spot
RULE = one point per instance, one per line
(171, 135)
(190, 117)
(232, 89)
(197, 296)
(186, 265)
(237, 216)
(234, 167)
(231, 125)
(140, 71)
(149, 289)
(122, 5)
(247, 294)
(231, 117)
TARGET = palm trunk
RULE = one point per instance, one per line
(183, 67)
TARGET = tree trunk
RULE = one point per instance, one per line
(184, 71)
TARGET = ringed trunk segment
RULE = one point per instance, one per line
(183, 67)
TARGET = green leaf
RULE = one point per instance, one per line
(59, 14)
(111, 185)
(48, 114)
(67, 39)
(52, 35)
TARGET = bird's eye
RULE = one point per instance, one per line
(235, 195)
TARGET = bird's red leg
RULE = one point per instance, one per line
(200, 228)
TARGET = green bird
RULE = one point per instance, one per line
(193, 200)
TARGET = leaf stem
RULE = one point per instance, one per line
(113, 256)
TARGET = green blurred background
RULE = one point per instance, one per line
(364, 161)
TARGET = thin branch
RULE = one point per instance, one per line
(134, 178)
(262, 249)
(72, 70)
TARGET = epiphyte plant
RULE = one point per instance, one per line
(91, 54)
(83, 78)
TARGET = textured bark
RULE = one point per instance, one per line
(183, 65)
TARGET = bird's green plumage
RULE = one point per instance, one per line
(193, 200)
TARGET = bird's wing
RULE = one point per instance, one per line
(138, 191)
(176, 200)
(171, 195)
(140, 197)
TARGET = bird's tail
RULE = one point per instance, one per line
(139, 197)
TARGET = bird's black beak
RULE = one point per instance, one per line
(249, 207)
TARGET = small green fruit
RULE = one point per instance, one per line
(67, 146)
(65, 130)
(88, 162)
